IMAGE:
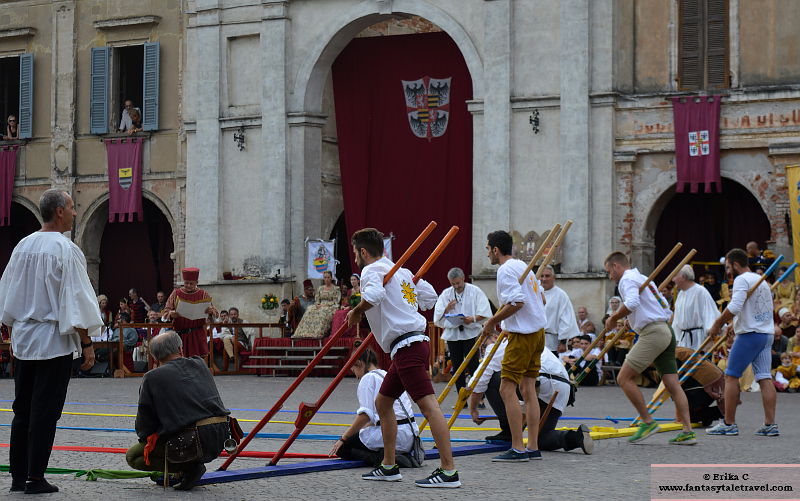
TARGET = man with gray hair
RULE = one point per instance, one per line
(178, 397)
(695, 310)
(460, 311)
(49, 306)
(558, 310)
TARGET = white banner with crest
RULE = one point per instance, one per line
(320, 258)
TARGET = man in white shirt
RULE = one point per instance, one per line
(460, 311)
(648, 313)
(522, 317)
(49, 306)
(399, 329)
(753, 325)
(553, 377)
(559, 312)
(695, 310)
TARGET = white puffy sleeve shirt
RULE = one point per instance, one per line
(45, 294)
(370, 435)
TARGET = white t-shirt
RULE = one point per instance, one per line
(394, 307)
(531, 317)
(648, 307)
(371, 435)
(578, 352)
(45, 294)
(753, 314)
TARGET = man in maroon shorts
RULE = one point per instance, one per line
(392, 311)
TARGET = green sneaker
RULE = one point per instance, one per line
(644, 431)
(684, 438)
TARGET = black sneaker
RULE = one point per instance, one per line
(440, 479)
(511, 456)
(190, 477)
(535, 455)
(385, 474)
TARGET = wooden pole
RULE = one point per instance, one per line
(479, 341)
(547, 412)
(279, 403)
(678, 268)
(466, 391)
(308, 410)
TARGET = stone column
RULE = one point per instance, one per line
(203, 244)
(623, 201)
(281, 202)
(306, 184)
(62, 98)
(574, 165)
(491, 173)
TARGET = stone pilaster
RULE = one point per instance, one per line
(62, 98)
(623, 201)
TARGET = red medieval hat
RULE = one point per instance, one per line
(192, 274)
(307, 283)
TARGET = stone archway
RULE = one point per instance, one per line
(158, 230)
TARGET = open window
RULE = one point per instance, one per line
(119, 74)
(16, 93)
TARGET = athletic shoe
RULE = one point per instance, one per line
(768, 430)
(684, 438)
(644, 431)
(587, 444)
(537, 454)
(384, 474)
(500, 437)
(172, 482)
(723, 429)
(511, 456)
(191, 475)
(440, 479)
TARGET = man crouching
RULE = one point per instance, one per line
(179, 406)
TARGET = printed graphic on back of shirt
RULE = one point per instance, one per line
(762, 309)
(409, 294)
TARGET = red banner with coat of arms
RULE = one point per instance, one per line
(697, 142)
(8, 168)
(405, 142)
(124, 179)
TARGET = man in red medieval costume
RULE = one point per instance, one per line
(185, 307)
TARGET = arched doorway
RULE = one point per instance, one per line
(136, 255)
(341, 250)
(712, 223)
(23, 223)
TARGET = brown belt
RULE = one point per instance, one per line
(212, 420)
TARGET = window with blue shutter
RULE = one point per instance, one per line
(98, 105)
(25, 118)
(150, 86)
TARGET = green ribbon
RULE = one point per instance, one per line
(95, 473)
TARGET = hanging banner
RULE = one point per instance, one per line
(793, 183)
(8, 168)
(387, 248)
(124, 179)
(697, 142)
(320, 258)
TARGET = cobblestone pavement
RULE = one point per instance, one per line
(617, 470)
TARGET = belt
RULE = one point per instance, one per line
(400, 421)
(212, 420)
(403, 337)
(691, 333)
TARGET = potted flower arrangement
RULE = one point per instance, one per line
(353, 300)
(269, 302)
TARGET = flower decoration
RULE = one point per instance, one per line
(269, 302)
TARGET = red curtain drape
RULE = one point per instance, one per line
(697, 142)
(8, 168)
(124, 179)
(392, 179)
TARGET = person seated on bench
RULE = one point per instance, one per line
(362, 441)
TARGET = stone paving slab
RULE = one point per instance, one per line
(617, 470)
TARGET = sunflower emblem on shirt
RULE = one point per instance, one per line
(409, 294)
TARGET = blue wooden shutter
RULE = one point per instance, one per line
(25, 115)
(98, 106)
(150, 87)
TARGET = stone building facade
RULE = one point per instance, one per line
(247, 159)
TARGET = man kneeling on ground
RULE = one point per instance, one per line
(177, 396)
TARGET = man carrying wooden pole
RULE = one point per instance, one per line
(523, 318)
(648, 313)
(751, 313)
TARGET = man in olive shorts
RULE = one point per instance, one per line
(648, 314)
(523, 319)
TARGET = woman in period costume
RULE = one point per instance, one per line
(317, 319)
(192, 331)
